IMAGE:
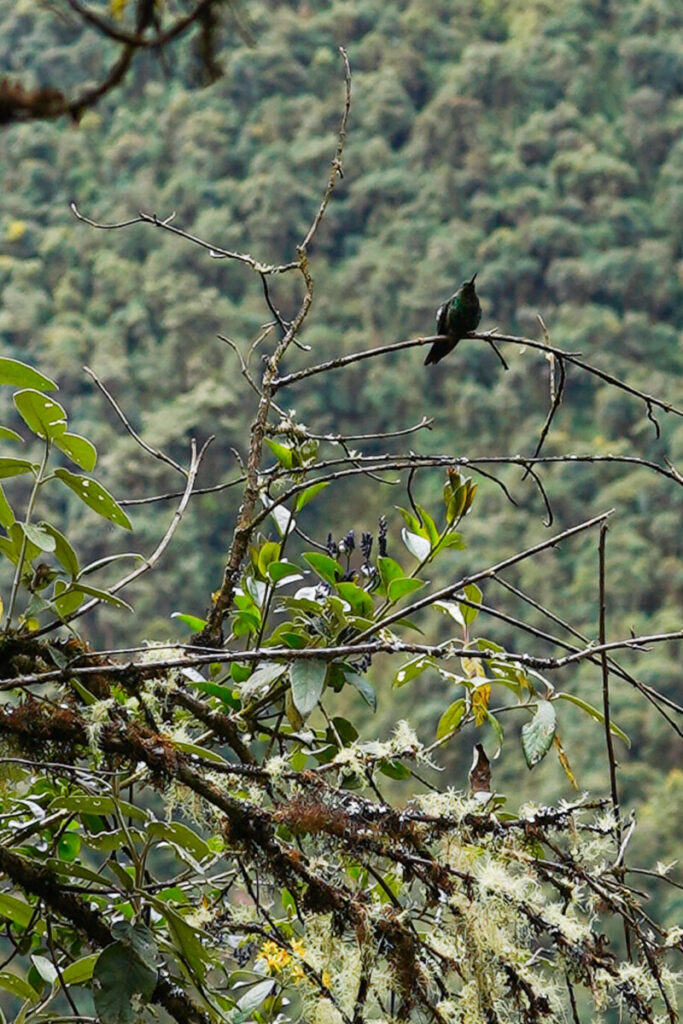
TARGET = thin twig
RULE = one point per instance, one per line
(150, 562)
(216, 251)
(156, 453)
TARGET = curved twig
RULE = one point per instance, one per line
(150, 562)
(156, 453)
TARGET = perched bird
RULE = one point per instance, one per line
(455, 318)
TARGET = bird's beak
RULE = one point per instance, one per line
(475, 274)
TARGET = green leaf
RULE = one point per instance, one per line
(78, 449)
(402, 587)
(12, 371)
(498, 731)
(359, 599)
(412, 522)
(17, 536)
(284, 572)
(41, 414)
(14, 467)
(224, 693)
(95, 496)
(38, 536)
(453, 540)
(395, 769)
(264, 676)
(419, 547)
(17, 986)
(596, 715)
(267, 553)
(282, 453)
(472, 593)
(428, 525)
(9, 435)
(412, 668)
(181, 837)
(101, 595)
(363, 685)
(309, 494)
(16, 910)
(451, 718)
(64, 553)
(389, 570)
(69, 847)
(308, 683)
(45, 968)
(196, 624)
(97, 805)
(6, 514)
(537, 735)
(122, 982)
(184, 937)
(80, 971)
(327, 568)
(66, 600)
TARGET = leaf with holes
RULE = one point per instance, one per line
(78, 449)
(41, 414)
(95, 496)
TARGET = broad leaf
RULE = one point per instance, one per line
(282, 453)
(9, 435)
(38, 536)
(537, 735)
(419, 547)
(78, 449)
(14, 467)
(195, 624)
(41, 414)
(327, 568)
(451, 718)
(402, 587)
(95, 496)
(472, 593)
(363, 685)
(64, 553)
(412, 668)
(122, 982)
(309, 494)
(12, 371)
(308, 683)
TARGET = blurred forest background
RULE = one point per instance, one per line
(540, 147)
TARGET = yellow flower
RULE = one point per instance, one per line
(298, 947)
(275, 957)
(326, 979)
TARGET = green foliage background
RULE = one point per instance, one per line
(540, 147)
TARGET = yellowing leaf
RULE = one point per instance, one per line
(480, 703)
(564, 761)
(472, 667)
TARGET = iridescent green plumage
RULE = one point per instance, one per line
(454, 319)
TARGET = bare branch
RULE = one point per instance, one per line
(154, 452)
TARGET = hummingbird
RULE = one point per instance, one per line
(455, 318)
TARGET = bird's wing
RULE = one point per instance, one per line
(441, 318)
